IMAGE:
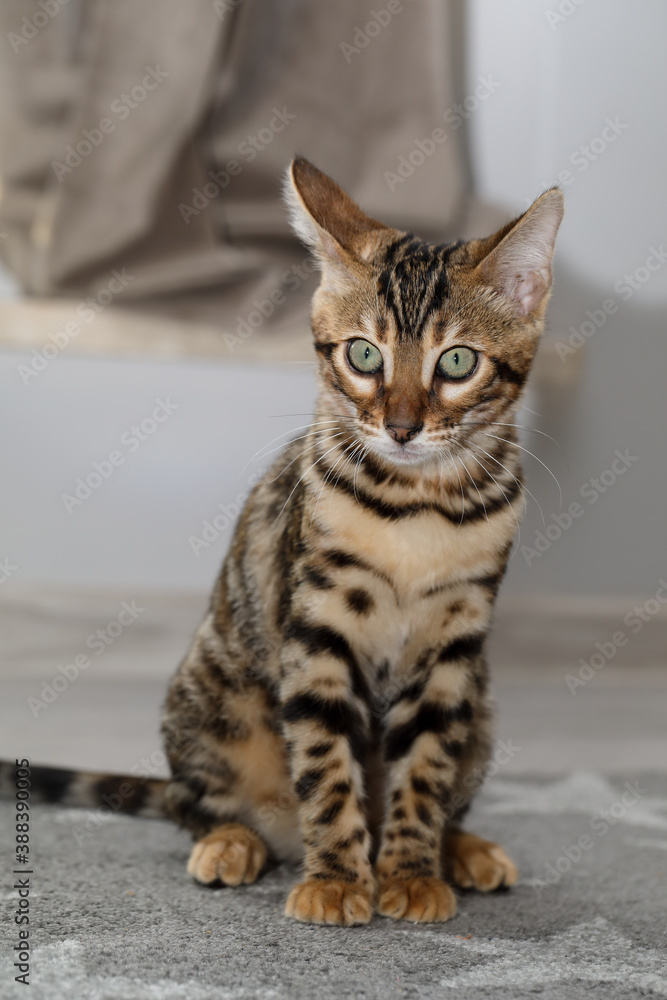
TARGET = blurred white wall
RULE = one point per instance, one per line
(134, 530)
(561, 78)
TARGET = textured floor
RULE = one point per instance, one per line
(115, 917)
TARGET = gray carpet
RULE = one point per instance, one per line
(114, 916)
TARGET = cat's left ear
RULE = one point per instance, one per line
(519, 265)
(326, 219)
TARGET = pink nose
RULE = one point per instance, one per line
(403, 434)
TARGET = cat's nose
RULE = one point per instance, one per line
(403, 434)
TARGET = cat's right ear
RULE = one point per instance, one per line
(326, 219)
(518, 266)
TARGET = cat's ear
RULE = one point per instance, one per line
(519, 264)
(326, 219)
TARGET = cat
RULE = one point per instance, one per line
(334, 703)
(333, 708)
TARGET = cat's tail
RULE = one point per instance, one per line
(135, 795)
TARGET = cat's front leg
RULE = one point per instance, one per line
(326, 728)
(426, 731)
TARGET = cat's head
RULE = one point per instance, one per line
(420, 344)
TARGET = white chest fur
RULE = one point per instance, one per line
(421, 550)
(411, 555)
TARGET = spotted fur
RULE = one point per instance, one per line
(335, 699)
(136, 795)
(334, 707)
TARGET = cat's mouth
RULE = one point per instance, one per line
(423, 451)
(412, 453)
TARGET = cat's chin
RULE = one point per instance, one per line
(405, 456)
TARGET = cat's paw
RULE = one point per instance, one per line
(422, 900)
(329, 902)
(231, 854)
(479, 864)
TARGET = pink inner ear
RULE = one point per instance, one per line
(330, 246)
(529, 291)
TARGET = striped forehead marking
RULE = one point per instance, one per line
(413, 282)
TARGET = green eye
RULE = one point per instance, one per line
(457, 362)
(364, 357)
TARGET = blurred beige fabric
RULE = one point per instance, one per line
(149, 138)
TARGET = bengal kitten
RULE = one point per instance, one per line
(334, 704)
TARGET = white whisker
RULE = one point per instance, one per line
(522, 485)
(259, 454)
(328, 476)
(520, 427)
(301, 477)
(476, 487)
(463, 507)
(534, 412)
(507, 500)
(329, 437)
(359, 460)
(517, 445)
(280, 447)
(347, 461)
